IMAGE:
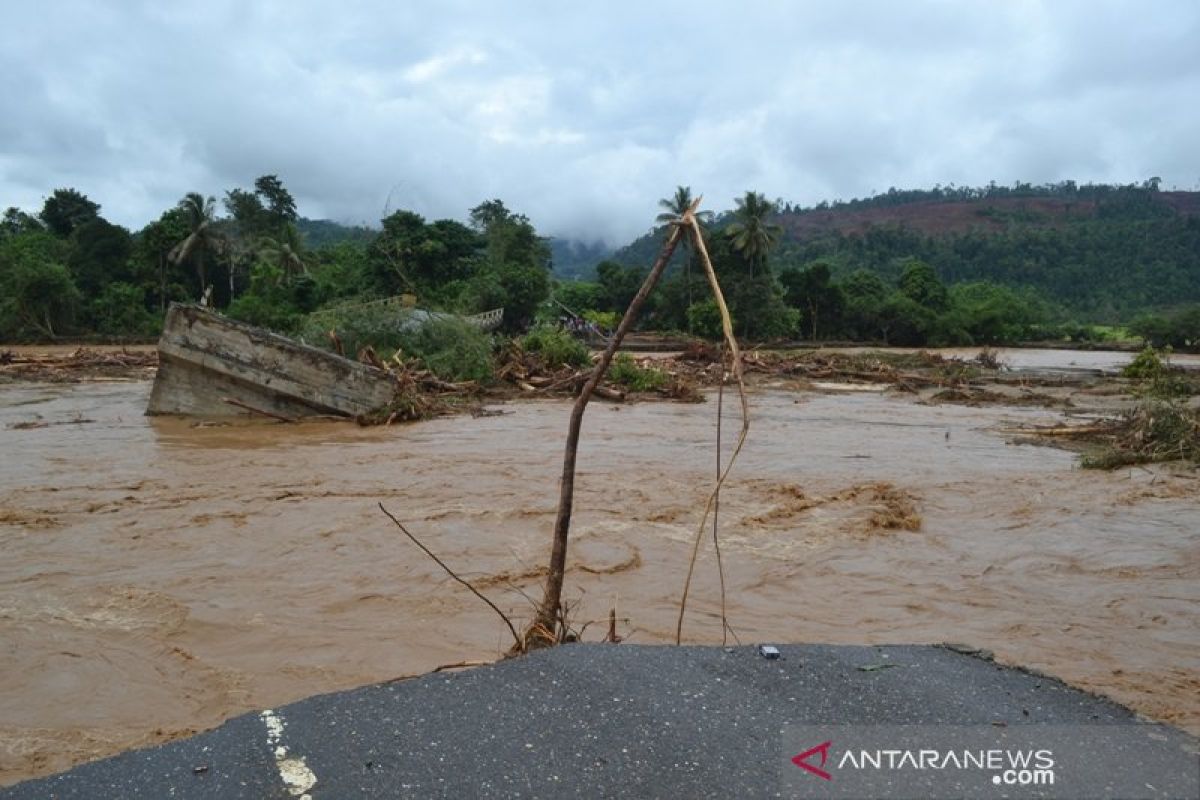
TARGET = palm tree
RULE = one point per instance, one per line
(202, 238)
(285, 251)
(752, 235)
(674, 207)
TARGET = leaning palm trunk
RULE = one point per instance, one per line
(181, 252)
(549, 626)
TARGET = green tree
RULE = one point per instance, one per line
(15, 222)
(120, 310)
(248, 213)
(905, 322)
(341, 270)
(489, 214)
(99, 254)
(151, 250)
(517, 259)
(704, 319)
(618, 284)
(919, 283)
(1180, 330)
(285, 251)
(278, 201)
(865, 294)
(752, 233)
(67, 209)
(758, 303)
(202, 240)
(37, 294)
(673, 210)
(812, 291)
(579, 296)
(394, 252)
(992, 314)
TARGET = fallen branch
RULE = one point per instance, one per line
(1066, 430)
(608, 393)
(442, 668)
(518, 644)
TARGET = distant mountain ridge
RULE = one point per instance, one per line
(1101, 251)
(941, 217)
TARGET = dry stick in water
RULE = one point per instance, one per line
(725, 629)
(452, 574)
(727, 330)
(541, 632)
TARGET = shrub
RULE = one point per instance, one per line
(625, 371)
(379, 326)
(557, 347)
(1179, 330)
(606, 320)
(120, 310)
(263, 312)
(1153, 375)
(451, 348)
(704, 319)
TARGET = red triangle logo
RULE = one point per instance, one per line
(801, 760)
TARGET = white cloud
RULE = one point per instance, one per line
(436, 66)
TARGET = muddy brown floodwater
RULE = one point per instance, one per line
(158, 578)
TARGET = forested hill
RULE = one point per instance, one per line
(1101, 252)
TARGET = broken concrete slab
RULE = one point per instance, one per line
(213, 366)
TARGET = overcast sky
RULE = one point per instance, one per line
(582, 115)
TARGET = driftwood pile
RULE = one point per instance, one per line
(529, 373)
(81, 364)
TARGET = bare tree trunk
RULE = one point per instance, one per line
(542, 631)
(688, 267)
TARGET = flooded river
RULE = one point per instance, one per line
(158, 578)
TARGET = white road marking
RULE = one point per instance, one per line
(294, 772)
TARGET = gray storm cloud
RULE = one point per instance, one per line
(583, 117)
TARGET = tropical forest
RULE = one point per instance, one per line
(989, 265)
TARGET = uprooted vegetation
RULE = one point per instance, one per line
(455, 362)
(1152, 375)
(449, 365)
(1162, 425)
(1155, 431)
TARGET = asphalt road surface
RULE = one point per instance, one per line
(617, 721)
